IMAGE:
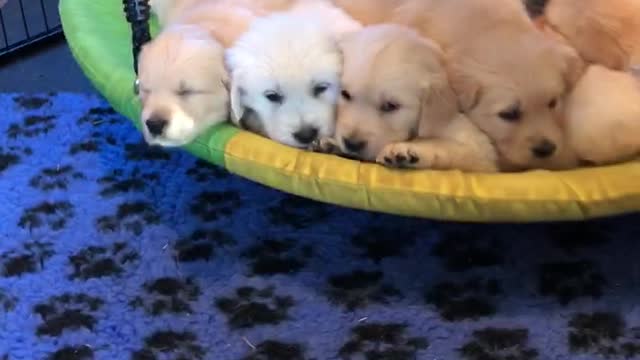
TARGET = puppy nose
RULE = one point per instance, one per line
(306, 135)
(354, 145)
(156, 125)
(544, 149)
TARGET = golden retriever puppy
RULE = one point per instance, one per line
(604, 32)
(603, 116)
(398, 108)
(510, 79)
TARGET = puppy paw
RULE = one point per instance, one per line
(399, 156)
(324, 145)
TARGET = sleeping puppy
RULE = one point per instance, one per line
(605, 32)
(603, 116)
(397, 106)
(285, 73)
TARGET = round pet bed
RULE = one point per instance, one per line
(100, 39)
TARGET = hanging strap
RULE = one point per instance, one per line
(137, 13)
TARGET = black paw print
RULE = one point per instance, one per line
(251, 307)
(468, 300)
(55, 215)
(167, 295)
(463, 251)
(8, 158)
(378, 341)
(359, 288)
(201, 245)
(571, 236)
(142, 151)
(271, 256)
(7, 301)
(212, 205)
(567, 281)
(499, 344)
(67, 312)
(131, 216)
(297, 212)
(31, 102)
(32, 126)
(605, 334)
(55, 178)
(88, 146)
(204, 172)
(29, 259)
(80, 352)
(276, 350)
(170, 345)
(99, 115)
(377, 243)
(118, 183)
(98, 261)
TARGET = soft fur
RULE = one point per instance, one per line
(603, 116)
(605, 32)
(294, 57)
(398, 108)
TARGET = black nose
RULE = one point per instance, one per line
(306, 135)
(354, 145)
(156, 125)
(544, 149)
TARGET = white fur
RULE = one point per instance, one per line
(289, 53)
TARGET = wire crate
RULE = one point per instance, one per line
(24, 23)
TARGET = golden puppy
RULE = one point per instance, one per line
(604, 32)
(398, 108)
(603, 116)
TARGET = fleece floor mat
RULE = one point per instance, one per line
(110, 249)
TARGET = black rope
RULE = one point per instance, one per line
(138, 13)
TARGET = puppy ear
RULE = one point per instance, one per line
(574, 66)
(235, 99)
(465, 86)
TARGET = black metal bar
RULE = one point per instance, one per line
(4, 30)
(137, 13)
(24, 19)
(30, 41)
(44, 15)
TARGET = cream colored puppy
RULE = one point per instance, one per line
(603, 116)
(397, 106)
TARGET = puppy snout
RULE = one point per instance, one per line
(156, 125)
(544, 149)
(354, 145)
(306, 135)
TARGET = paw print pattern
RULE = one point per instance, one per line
(118, 183)
(204, 172)
(8, 158)
(55, 178)
(31, 102)
(32, 126)
(359, 288)
(568, 281)
(605, 334)
(81, 352)
(201, 245)
(212, 205)
(297, 212)
(170, 345)
(463, 251)
(97, 261)
(130, 216)
(168, 295)
(31, 258)
(378, 341)
(250, 307)
(276, 350)
(142, 151)
(272, 256)
(54, 215)
(468, 300)
(67, 312)
(499, 344)
(98, 116)
(571, 237)
(7, 301)
(377, 243)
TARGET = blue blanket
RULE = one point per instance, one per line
(110, 249)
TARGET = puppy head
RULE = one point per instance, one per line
(285, 74)
(513, 89)
(395, 88)
(181, 86)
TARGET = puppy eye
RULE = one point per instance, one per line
(345, 95)
(389, 107)
(184, 92)
(552, 104)
(511, 115)
(319, 89)
(274, 97)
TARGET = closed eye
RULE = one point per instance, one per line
(511, 114)
(319, 89)
(274, 96)
(389, 107)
